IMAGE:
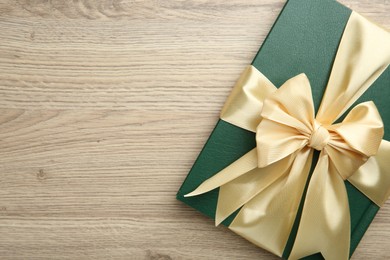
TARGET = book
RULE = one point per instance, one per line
(304, 39)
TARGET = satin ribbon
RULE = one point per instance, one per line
(267, 183)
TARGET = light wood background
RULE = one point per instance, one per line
(105, 105)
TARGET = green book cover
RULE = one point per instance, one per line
(304, 38)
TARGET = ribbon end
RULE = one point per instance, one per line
(218, 221)
(189, 195)
(196, 192)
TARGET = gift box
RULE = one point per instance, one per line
(306, 38)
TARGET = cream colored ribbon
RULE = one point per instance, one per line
(268, 182)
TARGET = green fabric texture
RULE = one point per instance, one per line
(304, 38)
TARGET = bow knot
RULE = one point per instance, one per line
(319, 137)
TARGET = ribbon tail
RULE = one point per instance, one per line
(246, 163)
(239, 191)
(325, 223)
(267, 219)
(373, 177)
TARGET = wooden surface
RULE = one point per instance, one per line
(105, 105)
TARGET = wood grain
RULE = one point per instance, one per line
(104, 106)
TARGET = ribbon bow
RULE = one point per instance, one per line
(267, 183)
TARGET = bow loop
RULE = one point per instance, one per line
(355, 139)
(286, 126)
(362, 128)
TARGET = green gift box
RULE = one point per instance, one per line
(305, 38)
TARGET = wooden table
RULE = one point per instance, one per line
(105, 105)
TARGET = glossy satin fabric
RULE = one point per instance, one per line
(268, 182)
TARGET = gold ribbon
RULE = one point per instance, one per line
(268, 182)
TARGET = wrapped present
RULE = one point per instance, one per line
(299, 162)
